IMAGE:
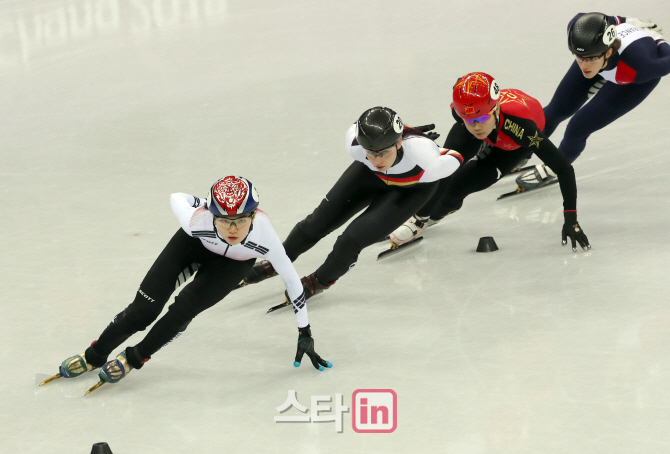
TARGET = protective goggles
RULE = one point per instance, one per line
(379, 154)
(228, 222)
(483, 118)
(589, 59)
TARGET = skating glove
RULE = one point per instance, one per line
(642, 24)
(572, 229)
(306, 345)
(425, 128)
(655, 35)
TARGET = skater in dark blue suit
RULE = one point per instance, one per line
(618, 62)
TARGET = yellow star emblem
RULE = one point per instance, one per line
(535, 140)
(507, 96)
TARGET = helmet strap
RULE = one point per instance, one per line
(607, 59)
(398, 156)
(251, 227)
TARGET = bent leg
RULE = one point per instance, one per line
(351, 193)
(458, 139)
(155, 290)
(610, 103)
(570, 95)
(213, 281)
(477, 175)
(386, 212)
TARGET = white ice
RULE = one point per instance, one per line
(108, 106)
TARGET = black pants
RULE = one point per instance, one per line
(488, 166)
(216, 277)
(388, 207)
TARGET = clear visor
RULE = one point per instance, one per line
(238, 221)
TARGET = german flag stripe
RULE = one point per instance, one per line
(415, 172)
(453, 153)
(402, 180)
(391, 183)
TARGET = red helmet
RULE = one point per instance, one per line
(475, 94)
(232, 195)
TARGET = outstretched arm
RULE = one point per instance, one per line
(183, 206)
(282, 264)
(648, 59)
(296, 294)
(534, 139)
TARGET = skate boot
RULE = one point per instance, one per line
(411, 229)
(77, 365)
(74, 366)
(260, 271)
(113, 371)
(312, 286)
(540, 176)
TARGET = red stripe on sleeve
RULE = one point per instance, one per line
(457, 155)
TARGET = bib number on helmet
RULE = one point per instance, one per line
(610, 35)
(495, 90)
(397, 124)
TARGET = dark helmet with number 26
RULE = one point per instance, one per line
(591, 35)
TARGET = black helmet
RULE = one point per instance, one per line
(378, 128)
(591, 34)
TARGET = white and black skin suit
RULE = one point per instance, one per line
(389, 199)
(220, 267)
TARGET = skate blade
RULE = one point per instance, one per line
(58, 375)
(94, 388)
(519, 169)
(279, 306)
(287, 303)
(520, 190)
(402, 247)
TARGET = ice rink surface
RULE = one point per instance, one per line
(109, 106)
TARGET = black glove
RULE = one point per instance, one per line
(425, 128)
(572, 229)
(306, 345)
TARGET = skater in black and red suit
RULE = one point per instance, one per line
(497, 128)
